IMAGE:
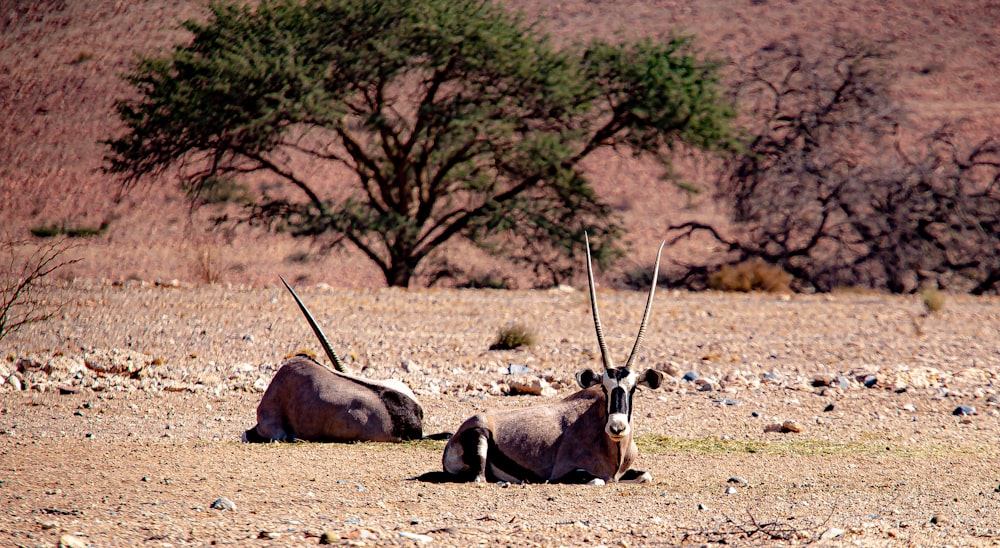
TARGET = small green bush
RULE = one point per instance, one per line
(513, 336)
(751, 275)
(51, 231)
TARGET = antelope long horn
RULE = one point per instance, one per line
(605, 356)
(645, 315)
(337, 364)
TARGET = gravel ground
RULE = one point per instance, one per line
(120, 419)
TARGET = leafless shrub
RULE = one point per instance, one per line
(23, 282)
(207, 267)
(829, 189)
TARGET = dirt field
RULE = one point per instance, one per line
(161, 382)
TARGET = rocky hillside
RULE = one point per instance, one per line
(61, 62)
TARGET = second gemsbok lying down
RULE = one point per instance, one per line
(584, 438)
(311, 402)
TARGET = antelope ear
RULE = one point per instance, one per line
(587, 378)
(651, 379)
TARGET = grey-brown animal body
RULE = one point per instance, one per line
(566, 441)
(311, 402)
(584, 438)
(308, 401)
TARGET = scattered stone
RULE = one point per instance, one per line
(66, 389)
(731, 490)
(769, 377)
(964, 410)
(832, 533)
(222, 503)
(71, 541)
(739, 480)
(822, 380)
(829, 408)
(416, 537)
(15, 382)
(725, 401)
(870, 381)
(535, 387)
(691, 376)
(518, 369)
(271, 535)
(784, 427)
(328, 538)
(909, 407)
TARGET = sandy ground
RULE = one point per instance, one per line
(133, 399)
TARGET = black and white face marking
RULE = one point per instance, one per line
(619, 386)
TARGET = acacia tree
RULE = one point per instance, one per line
(827, 190)
(456, 120)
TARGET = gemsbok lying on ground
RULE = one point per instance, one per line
(584, 438)
(311, 402)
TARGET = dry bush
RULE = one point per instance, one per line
(23, 281)
(207, 267)
(751, 275)
(932, 298)
(513, 336)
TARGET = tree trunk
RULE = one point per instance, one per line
(398, 274)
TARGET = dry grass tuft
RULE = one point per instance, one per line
(513, 336)
(933, 299)
(751, 275)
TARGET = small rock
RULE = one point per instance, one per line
(518, 369)
(70, 541)
(222, 503)
(731, 490)
(821, 380)
(416, 537)
(65, 389)
(15, 382)
(832, 533)
(964, 410)
(739, 480)
(328, 538)
(829, 408)
(784, 428)
(870, 381)
(691, 376)
(268, 535)
(536, 386)
(726, 401)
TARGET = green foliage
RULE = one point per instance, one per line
(51, 231)
(458, 119)
(751, 275)
(514, 336)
